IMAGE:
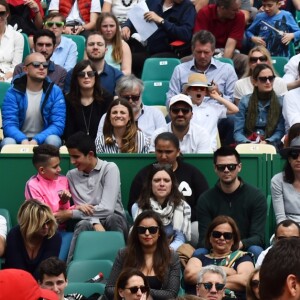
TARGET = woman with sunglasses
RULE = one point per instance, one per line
(118, 53)
(245, 85)
(11, 45)
(222, 239)
(148, 251)
(131, 285)
(285, 186)
(160, 193)
(120, 132)
(33, 239)
(86, 102)
(252, 288)
(260, 119)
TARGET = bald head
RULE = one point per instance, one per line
(36, 56)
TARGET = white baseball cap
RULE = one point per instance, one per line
(181, 98)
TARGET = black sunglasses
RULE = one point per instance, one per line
(208, 285)
(37, 64)
(176, 110)
(254, 59)
(89, 74)
(217, 234)
(254, 283)
(3, 13)
(134, 289)
(264, 79)
(230, 167)
(57, 24)
(294, 154)
(134, 98)
(151, 229)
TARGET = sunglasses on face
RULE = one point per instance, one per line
(37, 64)
(254, 59)
(208, 286)
(151, 229)
(294, 154)
(134, 289)
(83, 74)
(134, 98)
(254, 283)
(286, 237)
(264, 79)
(57, 24)
(217, 234)
(3, 13)
(197, 88)
(230, 167)
(176, 110)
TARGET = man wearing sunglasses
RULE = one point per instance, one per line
(44, 42)
(211, 283)
(285, 229)
(34, 108)
(65, 53)
(233, 197)
(192, 138)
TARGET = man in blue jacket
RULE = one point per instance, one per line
(34, 109)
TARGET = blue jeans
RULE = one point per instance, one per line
(51, 140)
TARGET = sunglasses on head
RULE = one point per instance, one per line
(151, 229)
(197, 88)
(176, 110)
(134, 289)
(294, 154)
(83, 74)
(3, 13)
(217, 234)
(208, 286)
(37, 64)
(264, 79)
(230, 167)
(57, 24)
(254, 59)
(254, 283)
(134, 98)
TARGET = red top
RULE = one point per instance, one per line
(207, 19)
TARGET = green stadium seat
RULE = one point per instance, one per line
(159, 68)
(26, 50)
(80, 42)
(279, 63)
(86, 289)
(95, 245)
(225, 60)
(155, 92)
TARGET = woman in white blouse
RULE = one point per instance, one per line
(11, 45)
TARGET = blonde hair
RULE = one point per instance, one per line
(263, 51)
(32, 215)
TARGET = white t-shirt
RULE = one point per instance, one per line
(119, 9)
(74, 13)
(3, 227)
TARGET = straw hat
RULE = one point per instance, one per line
(196, 79)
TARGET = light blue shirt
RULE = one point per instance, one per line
(65, 54)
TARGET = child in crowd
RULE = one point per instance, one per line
(274, 29)
(206, 105)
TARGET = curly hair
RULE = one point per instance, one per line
(134, 256)
(274, 110)
(129, 144)
(117, 52)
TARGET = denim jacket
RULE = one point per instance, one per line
(261, 121)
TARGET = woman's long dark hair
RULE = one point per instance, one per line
(74, 97)
(147, 193)
(134, 257)
(274, 110)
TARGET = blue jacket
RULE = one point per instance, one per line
(178, 25)
(15, 105)
(261, 122)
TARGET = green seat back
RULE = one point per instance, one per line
(279, 63)
(86, 289)
(95, 245)
(155, 92)
(26, 50)
(83, 270)
(225, 60)
(80, 42)
(159, 68)
(4, 86)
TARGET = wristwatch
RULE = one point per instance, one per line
(162, 22)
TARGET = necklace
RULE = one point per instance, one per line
(221, 260)
(127, 4)
(87, 125)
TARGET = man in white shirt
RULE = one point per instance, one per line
(192, 138)
(3, 233)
